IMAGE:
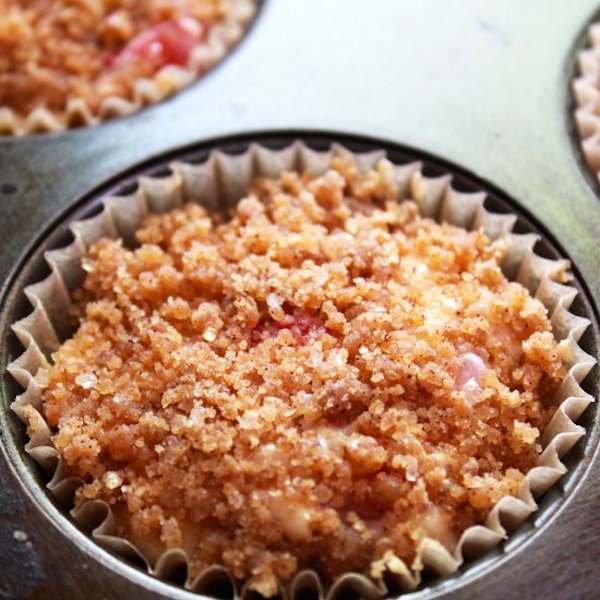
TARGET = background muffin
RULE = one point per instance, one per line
(586, 88)
(65, 64)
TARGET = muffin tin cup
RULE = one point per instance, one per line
(146, 91)
(217, 183)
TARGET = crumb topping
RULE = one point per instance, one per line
(321, 378)
(52, 52)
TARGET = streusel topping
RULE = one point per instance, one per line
(319, 379)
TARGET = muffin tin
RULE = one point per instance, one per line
(459, 87)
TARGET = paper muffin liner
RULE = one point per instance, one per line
(586, 89)
(219, 182)
(146, 91)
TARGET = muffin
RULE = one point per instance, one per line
(586, 89)
(67, 64)
(317, 377)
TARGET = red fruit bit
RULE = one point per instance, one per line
(471, 367)
(108, 58)
(263, 331)
(164, 44)
(304, 327)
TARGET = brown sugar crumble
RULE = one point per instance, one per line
(317, 379)
(53, 52)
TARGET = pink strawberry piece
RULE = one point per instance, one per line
(164, 44)
(108, 58)
(303, 326)
(471, 368)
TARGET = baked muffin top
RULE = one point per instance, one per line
(320, 378)
(55, 52)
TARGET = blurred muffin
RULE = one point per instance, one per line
(66, 64)
(586, 89)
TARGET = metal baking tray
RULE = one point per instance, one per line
(478, 88)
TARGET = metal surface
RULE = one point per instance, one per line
(482, 84)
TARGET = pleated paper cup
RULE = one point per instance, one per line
(218, 183)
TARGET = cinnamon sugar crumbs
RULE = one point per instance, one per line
(53, 52)
(321, 379)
